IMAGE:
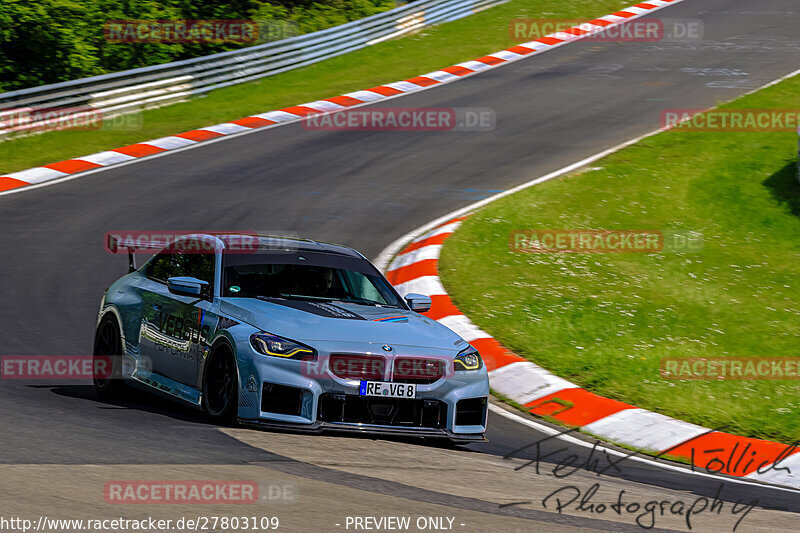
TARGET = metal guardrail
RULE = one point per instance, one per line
(147, 87)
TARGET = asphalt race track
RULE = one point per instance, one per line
(363, 189)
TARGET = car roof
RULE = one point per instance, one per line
(282, 244)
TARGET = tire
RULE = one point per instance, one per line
(108, 348)
(221, 385)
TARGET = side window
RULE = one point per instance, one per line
(174, 262)
(200, 266)
(164, 266)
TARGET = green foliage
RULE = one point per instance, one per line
(47, 41)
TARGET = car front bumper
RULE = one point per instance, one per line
(306, 396)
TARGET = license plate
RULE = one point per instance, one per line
(387, 390)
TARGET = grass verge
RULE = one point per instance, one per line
(605, 321)
(432, 49)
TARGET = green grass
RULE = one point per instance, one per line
(605, 321)
(434, 48)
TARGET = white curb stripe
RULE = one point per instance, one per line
(365, 96)
(404, 86)
(525, 382)
(37, 174)
(323, 105)
(473, 65)
(168, 143)
(106, 158)
(226, 129)
(441, 75)
(636, 10)
(465, 329)
(781, 477)
(427, 285)
(644, 429)
(564, 36)
(505, 55)
(278, 116)
(420, 254)
(447, 228)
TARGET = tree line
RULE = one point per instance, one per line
(48, 41)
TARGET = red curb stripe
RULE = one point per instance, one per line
(441, 306)
(346, 101)
(624, 14)
(7, 184)
(423, 81)
(491, 60)
(199, 135)
(139, 150)
(300, 110)
(436, 239)
(253, 122)
(426, 267)
(519, 49)
(385, 91)
(645, 5)
(457, 70)
(600, 22)
(576, 407)
(549, 40)
(730, 454)
(71, 166)
(494, 354)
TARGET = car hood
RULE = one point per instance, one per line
(341, 322)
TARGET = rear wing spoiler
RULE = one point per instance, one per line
(115, 245)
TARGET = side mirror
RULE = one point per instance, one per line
(418, 302)
(186, 286)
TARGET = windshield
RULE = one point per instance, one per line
(299, 281)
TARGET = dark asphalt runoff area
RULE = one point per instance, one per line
(362, 189)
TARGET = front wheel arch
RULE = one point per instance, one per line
(213, 405)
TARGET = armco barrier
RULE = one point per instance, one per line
(158, 85)
(83, 165)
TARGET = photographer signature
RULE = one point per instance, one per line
(600, 461)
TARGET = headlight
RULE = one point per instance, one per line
(267, 344)
(468, 359)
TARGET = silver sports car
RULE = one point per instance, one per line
(290, 333)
